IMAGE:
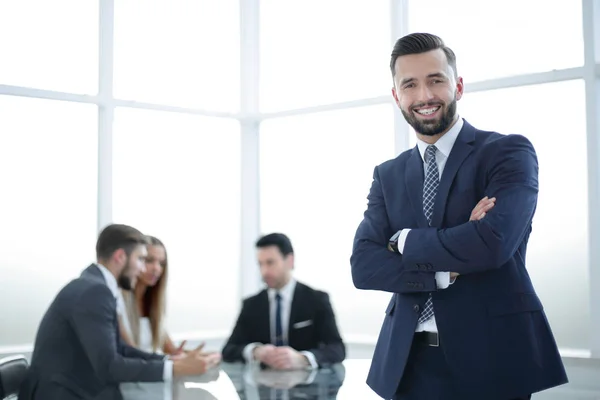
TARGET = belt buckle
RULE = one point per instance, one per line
(436, 342)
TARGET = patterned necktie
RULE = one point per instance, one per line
(278, 326)
(430, 188)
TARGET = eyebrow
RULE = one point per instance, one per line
(434, 75)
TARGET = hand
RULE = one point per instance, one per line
(286, 358)
(179, 353)
(263, 353)
(212, 358)
(453, 275)
(192, 363)
(482, 208)
(180, 348)
(177, 356)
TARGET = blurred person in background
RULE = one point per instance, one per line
(288, 325)
(142, 315)
(78, 352)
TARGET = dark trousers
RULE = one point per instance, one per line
(428, 377)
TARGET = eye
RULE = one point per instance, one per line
(409, 85)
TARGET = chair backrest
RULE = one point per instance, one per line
(12, 373)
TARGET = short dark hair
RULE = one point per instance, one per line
(118, 236)
(283, 243)
(417, 43)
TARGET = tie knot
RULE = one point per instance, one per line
(278, 296)
(430, 153)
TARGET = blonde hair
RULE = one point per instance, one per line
(153, 305)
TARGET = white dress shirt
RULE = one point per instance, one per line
(287, 295)
(111, 282)
(444, 147)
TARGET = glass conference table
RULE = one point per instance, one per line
(241, 382)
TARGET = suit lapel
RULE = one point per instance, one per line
(263, 318)
(296, 303)
(461, 149)
(414, 185)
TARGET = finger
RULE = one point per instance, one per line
(482, 203)
(199, 348)
(478, 217)
(482, 208)
(180, 348)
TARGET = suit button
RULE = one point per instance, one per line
(416, 308)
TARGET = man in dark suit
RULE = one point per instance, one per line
(464, 321)
(288, 325)
(78, 352)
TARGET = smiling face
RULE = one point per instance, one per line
(426, 91)
(156, 262)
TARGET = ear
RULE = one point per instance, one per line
(395, 95)
(290, 260)
(119, 256)
(460, 88)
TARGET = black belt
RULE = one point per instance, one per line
(427, 338)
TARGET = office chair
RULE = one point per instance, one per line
(12, 373)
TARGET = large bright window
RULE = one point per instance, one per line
(48, 164)
(504, 38)
(177, 177)
(50, 44)
(316, 52)
(178, 52)
(557, 256)
(316, 171)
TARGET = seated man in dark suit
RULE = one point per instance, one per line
(78, 352)
(288, 325)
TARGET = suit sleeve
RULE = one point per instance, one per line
(477, 246)
(239, 339)
(132, 352)
(94, 321)
(331, 347)
(374, 267)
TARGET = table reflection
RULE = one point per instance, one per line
(250, 382)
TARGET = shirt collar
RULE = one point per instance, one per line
(446, 142)
(286, 292)
(110, 279)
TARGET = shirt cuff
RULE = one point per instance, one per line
(402, 240)
(168, 371)
(248, 351)
(311, 359)
(442, 279)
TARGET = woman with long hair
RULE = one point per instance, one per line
(141, 320)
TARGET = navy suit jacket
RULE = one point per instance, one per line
(491, 324)
(78, 352)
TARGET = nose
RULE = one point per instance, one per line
(155, 268)
(425, 93)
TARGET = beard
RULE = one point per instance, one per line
(434, 126)
(124, 281)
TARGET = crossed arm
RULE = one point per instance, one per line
(475, 246)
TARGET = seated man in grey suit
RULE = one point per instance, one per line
(288, 325)
(78, 352)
